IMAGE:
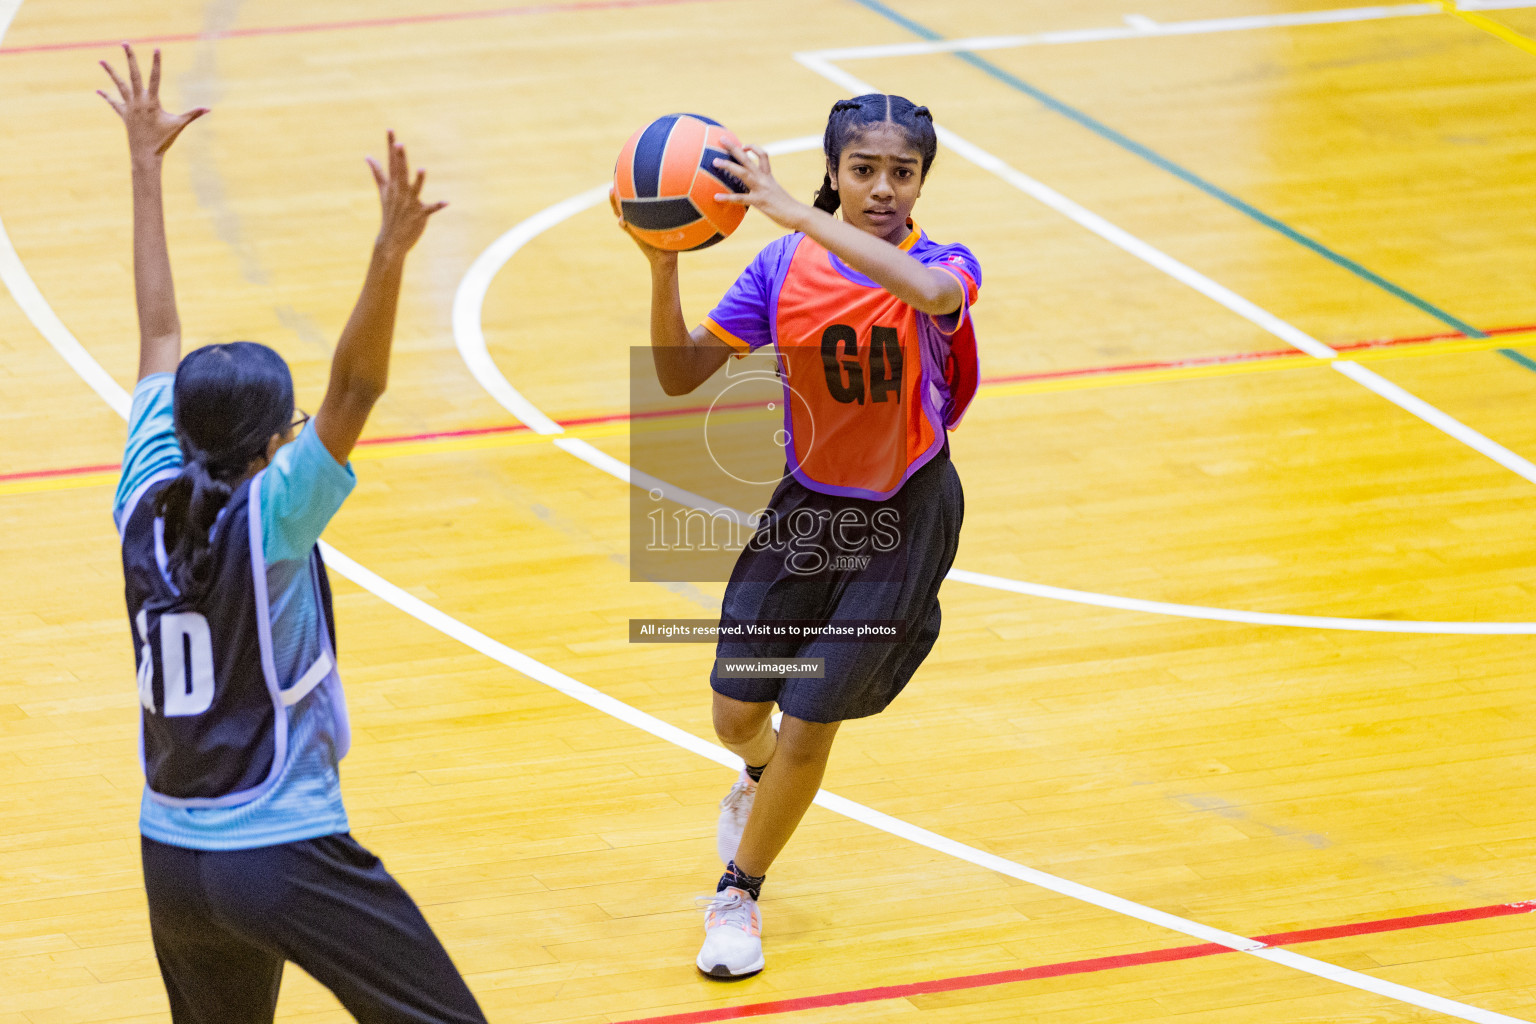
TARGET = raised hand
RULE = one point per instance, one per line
(404, 214)
(753, 169)
(151, 129)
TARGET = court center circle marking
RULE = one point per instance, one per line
(469, 338)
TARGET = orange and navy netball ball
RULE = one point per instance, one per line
(665, 183)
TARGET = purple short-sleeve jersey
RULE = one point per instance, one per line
(744, 318)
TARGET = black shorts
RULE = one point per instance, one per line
(887, 573)
(225, 922)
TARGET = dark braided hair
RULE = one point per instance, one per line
(852, 118)
(228, 401)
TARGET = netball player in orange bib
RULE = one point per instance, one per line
(870, 320)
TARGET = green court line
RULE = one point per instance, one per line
(1162, 162)
(1518, 357)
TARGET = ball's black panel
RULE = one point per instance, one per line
(707, 164)
(648, 153)
(706, 245)
(659, 214)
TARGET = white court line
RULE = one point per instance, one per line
(1143, 28)
(470, 298)
(1435, 418)
(1191, 611)
(47, 322)
(470, 339)
(15, 277)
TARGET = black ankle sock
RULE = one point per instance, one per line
(755, 774)
(752, 885)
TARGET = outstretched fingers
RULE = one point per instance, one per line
(378, 173)
(133, 70)
(151, 128)
(400, 192)
(122, 87)
(399, 172)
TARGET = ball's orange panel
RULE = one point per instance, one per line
(726, 217)
(624, 169)
(680, 239)
(681, 160)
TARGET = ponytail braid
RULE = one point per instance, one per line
(190, 506)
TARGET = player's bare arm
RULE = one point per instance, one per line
(151, 131)
(360, 367)
(684, 359)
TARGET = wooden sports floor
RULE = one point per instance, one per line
(1258, 274)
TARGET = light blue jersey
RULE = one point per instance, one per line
(301, 490)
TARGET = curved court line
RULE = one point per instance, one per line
(469, 337)
(1191, 611)
(15, 277)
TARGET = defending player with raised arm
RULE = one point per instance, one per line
(248, 862)
(869, 319)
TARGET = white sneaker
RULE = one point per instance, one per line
(733, 930)
(734, 811)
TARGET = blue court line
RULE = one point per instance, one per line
(1158, 160)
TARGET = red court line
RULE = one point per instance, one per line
(342, 26)
(1091, 371)
(1102, 963)
(1242, 357)
(43, 474)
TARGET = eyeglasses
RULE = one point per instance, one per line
(298, 423)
